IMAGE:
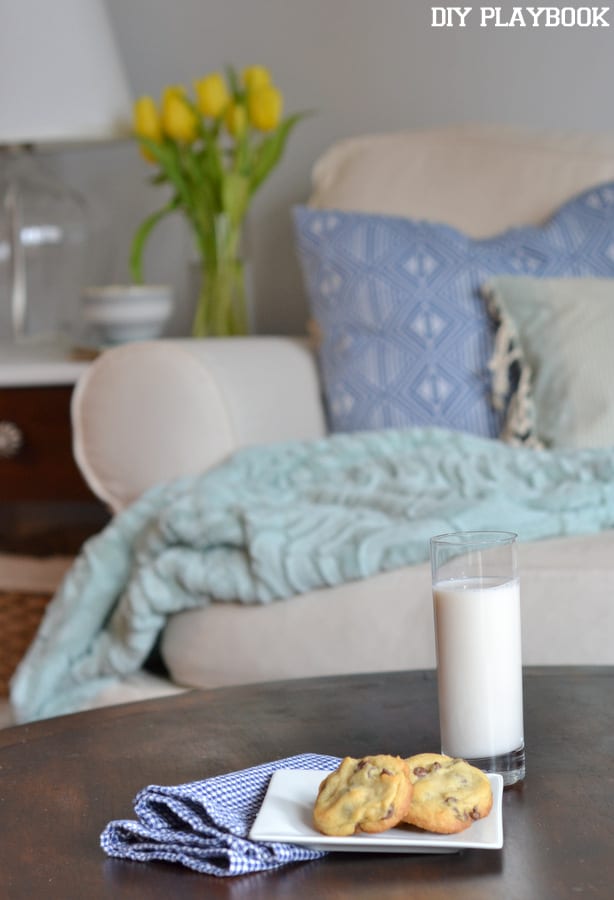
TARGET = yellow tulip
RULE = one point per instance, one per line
(236, 119)
(172, 90)
(255, 77)
(146, 122)
(178, 119)
(265, 107)
(146, 119)
(212, 95)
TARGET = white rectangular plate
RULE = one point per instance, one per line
(286, 816)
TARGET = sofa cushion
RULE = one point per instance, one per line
(481, 179)
(405, 335)
(385, 622)
(558, 334)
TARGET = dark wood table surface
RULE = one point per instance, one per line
(63, 779)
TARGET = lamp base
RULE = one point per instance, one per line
(43, 233)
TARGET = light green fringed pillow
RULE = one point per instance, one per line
(553, 363)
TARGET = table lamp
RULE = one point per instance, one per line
(61, 83)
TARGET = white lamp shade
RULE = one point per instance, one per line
(61, 78)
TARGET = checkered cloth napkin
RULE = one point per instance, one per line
(204, 824)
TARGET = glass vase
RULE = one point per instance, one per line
(221, 307)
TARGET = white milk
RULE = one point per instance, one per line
(479, 668)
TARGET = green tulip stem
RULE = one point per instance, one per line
(140, 239)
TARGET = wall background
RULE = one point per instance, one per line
(363, 66)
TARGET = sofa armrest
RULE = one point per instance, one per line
(148, 412)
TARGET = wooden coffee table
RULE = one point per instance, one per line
(63, 779)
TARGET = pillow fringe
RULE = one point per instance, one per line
(519, 425)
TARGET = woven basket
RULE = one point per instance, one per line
(20, 614)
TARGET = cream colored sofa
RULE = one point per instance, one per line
(147, 412)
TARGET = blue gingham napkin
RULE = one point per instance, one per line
(204, 824)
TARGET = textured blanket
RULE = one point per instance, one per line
(282, 519)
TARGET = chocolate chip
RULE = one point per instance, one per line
(475, 815)
(387, 772)
(420, 771)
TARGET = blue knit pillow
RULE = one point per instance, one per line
(406, 337)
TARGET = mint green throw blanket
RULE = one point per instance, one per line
(279, 520)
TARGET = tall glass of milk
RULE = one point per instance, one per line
(476, 602)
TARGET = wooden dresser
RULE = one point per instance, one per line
(45, 506)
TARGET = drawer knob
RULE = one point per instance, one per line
(11, 439)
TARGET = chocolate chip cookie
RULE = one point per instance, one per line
(370, 794)
(448, 794)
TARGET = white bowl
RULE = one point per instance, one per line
(116, 313)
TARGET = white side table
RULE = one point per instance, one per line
(38, 365)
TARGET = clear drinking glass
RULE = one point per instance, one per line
(476, 600)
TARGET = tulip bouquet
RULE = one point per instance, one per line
(213, 150)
